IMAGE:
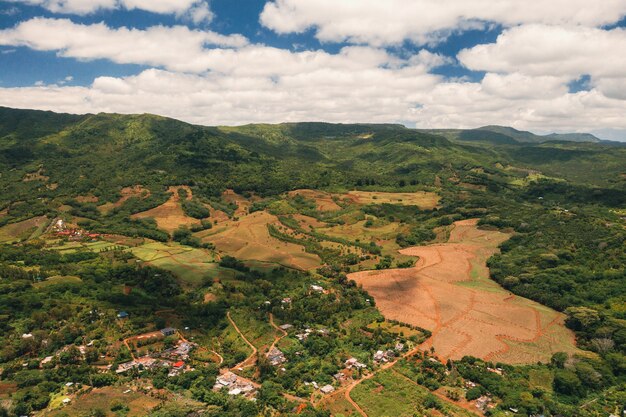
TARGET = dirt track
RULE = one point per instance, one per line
(449, 293)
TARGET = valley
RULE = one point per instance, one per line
(300, 269)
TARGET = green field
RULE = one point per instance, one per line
(191, 265)
(388, 394)
(59, 280)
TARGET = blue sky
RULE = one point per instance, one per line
(539, 66)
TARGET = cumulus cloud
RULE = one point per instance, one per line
(204, 77)
(387, 22)
(198, 9)
(349, 93)
(552, 50)
(178, 47)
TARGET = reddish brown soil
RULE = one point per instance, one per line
(449, 293)
(170, 215)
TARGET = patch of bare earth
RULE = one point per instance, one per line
(86, 199)
(248, 238)
(449, 292)
(169, 216)
(422, 199)
(127, 192)
(324, 201)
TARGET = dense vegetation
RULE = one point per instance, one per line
(564, 201)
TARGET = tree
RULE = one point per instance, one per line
(567, 382)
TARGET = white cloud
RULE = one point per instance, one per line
(552, 50)
(199, 9)
(178, 48)
(208, 78)
(348, 93)
(382, 22)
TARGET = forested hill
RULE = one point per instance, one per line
(70, 155)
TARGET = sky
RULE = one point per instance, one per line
(543, 66)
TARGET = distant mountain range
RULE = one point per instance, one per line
(507, 135)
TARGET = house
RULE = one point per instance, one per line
(286, 326)
(168, 331)
(226, 380)
(399, 347)
(286, 300)
(317, 288)
(339, 376)
(66, 401)
(47, 359)
(354, 363)
(122, 315)
(27, 336)
(327, 389)
(178, 365)
(276, 357)
(379, 356)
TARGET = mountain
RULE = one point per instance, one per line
(504, 135)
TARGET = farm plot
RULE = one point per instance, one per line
(389, 394)
(102, 398)
(449, 292)
(248, 239)
(127, 192)
(324, 201)
(189, 264)
(421, 199)
(23, 230)
(169, 216)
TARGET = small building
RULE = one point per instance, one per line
(122, 315)
(317, 288)
(276, 357)
(399, 347)
(354, 363)
(379, 356)
(327, 389)
(178, 365)
(286, 326)
(168, 331)
(66, 401)
(27, 336)
(226, 380)
(286, 300)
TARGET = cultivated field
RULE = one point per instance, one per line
(126, 193)
(191, 265)
(422, 199)
(390, 394)
(324, 201)
(328, 202)
(103, 398)
(449, 292)
(23, 230)
(248, 239)
(170, 215)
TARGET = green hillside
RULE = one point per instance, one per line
(116, 226)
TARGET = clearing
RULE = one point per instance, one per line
(248, 239)
(449, 292)
(421, 199)
(389, 394)
(190, 264)
(23, 230)
(170, 215)
(127, 192)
